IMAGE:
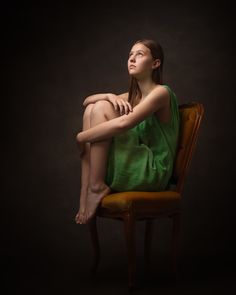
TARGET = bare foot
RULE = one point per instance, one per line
(94, 197)
(80, 216)
(82, 208)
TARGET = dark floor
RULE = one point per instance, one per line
(112, 279)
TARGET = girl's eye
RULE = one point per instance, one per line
(137, 54)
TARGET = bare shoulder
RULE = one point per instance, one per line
(161, 90)
(160, 95)
(164, 112)
(124, 96)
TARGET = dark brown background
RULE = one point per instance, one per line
(57, 54)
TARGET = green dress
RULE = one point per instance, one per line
(141, 159)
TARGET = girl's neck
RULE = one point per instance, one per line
(146, 86)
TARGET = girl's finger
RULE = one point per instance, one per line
(120, 108)
(126, 108)
(130, 107)
(115, 105)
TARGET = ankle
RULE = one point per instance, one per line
(83, 190)
(98, 187)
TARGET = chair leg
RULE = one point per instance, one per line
(129, 227)
(95, 244)
(148, 242)
(175, 242)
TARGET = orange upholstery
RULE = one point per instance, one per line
(132, 206)
(142, 202)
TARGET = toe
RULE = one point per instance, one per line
(83, 219)
(77, 218)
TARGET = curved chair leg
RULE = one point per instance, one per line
(95, 243)
(148, 242)
(129, 227)
(175, 242)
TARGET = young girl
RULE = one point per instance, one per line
(128, 142)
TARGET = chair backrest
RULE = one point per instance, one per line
(190, 119)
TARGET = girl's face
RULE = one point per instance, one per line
(140, 62)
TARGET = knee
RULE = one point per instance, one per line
(102, 107)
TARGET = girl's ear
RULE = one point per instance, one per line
(156, 64)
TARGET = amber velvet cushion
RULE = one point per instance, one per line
(142, 202)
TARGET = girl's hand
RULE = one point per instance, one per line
(94, 98)
(120, 105)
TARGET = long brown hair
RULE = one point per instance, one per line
(157, 53)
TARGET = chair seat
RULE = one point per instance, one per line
(141, 202)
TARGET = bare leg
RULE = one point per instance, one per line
(84, 167)
(101, 112)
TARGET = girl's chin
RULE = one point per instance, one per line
(133, 74)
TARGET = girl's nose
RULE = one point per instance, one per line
(132, 59)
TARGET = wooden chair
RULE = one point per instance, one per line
(130, 207)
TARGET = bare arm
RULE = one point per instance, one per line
(154, 101)
(119, 102)
(124, 96)
(94, 98)
(103, 96)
